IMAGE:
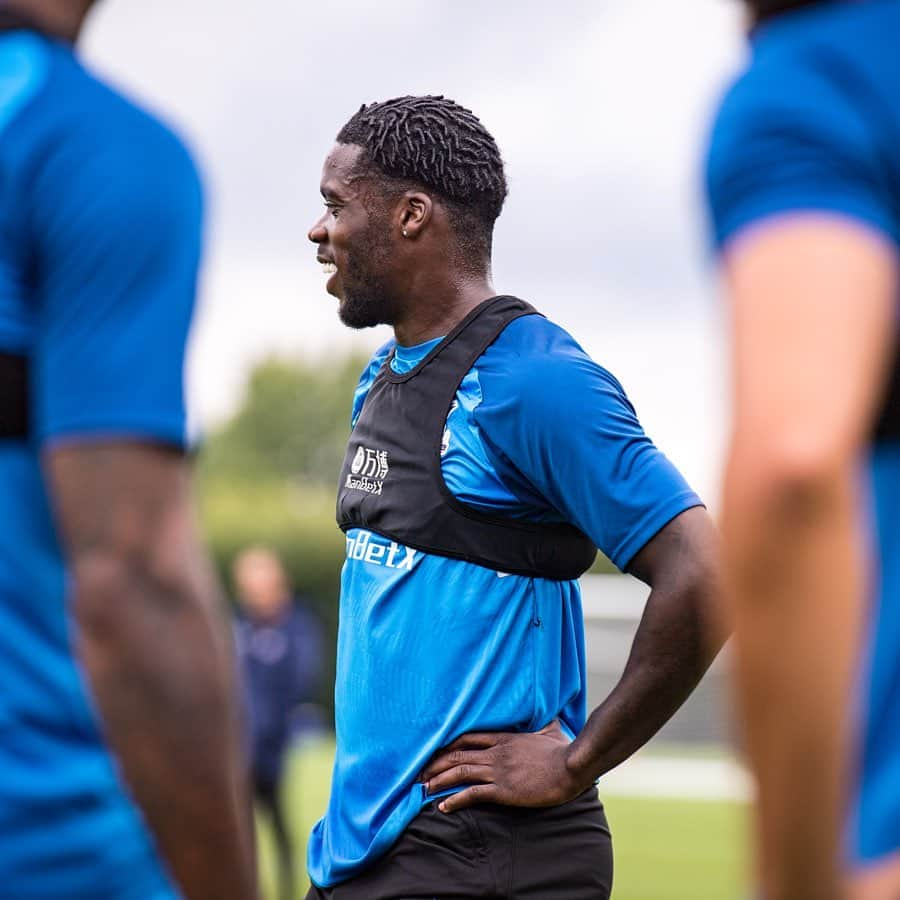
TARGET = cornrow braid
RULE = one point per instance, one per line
(437, 143)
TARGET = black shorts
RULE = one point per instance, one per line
(499, 852)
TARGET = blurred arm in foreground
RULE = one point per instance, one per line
(153, 640)
(803, 181)
(106, 225)
(813, 304)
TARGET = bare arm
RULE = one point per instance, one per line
(152, 639)
(676, 641)
(813, 305)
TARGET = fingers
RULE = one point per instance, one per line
(466, 774)
(478, 793)
(477, 740)
(450, 759)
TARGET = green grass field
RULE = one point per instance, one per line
(664, 849)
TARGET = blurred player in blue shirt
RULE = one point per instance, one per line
(804, 188)
(110, 627)
(489, 458)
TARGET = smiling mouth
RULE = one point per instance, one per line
(329, 268)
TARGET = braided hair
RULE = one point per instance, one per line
(433, 142)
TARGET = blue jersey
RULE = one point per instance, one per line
(100, 213)
(429, 647)
(814, 125)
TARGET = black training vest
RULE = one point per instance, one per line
(392, 484)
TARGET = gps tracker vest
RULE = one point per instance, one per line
(392, 483)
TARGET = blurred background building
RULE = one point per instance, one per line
(601, 109)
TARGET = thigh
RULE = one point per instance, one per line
(563, 852)
(438, 857)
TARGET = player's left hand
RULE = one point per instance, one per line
(510, 769)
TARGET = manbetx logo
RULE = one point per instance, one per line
(367, 548)
(368, 470)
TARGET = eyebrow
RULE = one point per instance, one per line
(330, 194)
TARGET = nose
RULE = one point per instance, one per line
(317, 234)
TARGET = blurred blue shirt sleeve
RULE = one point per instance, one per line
(791, 138)
(117, 235)
(564, 425)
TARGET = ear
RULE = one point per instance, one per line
(416, 210)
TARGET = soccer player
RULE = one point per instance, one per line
(120, 776)
(804, 187)
(490, 457)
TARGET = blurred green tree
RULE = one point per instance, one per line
(293, 424)
(269, 475)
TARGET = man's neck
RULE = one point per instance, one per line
(54, 17)
(442, 307)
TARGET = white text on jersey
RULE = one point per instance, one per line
(391, 556)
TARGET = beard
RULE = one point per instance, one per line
(368, 300)
(366, 303)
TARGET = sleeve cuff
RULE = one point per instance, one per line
(757, 214)
(169, 430)
(651, 525)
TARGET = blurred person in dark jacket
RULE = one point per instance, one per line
(280, 654)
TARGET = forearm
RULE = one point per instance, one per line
(796, 582)
(678, 637)
(158, 658)
(674, 645)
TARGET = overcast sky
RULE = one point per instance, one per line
(601, 110)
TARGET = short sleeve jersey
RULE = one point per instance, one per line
(100, 230)
(430, 647)
(813, 126)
